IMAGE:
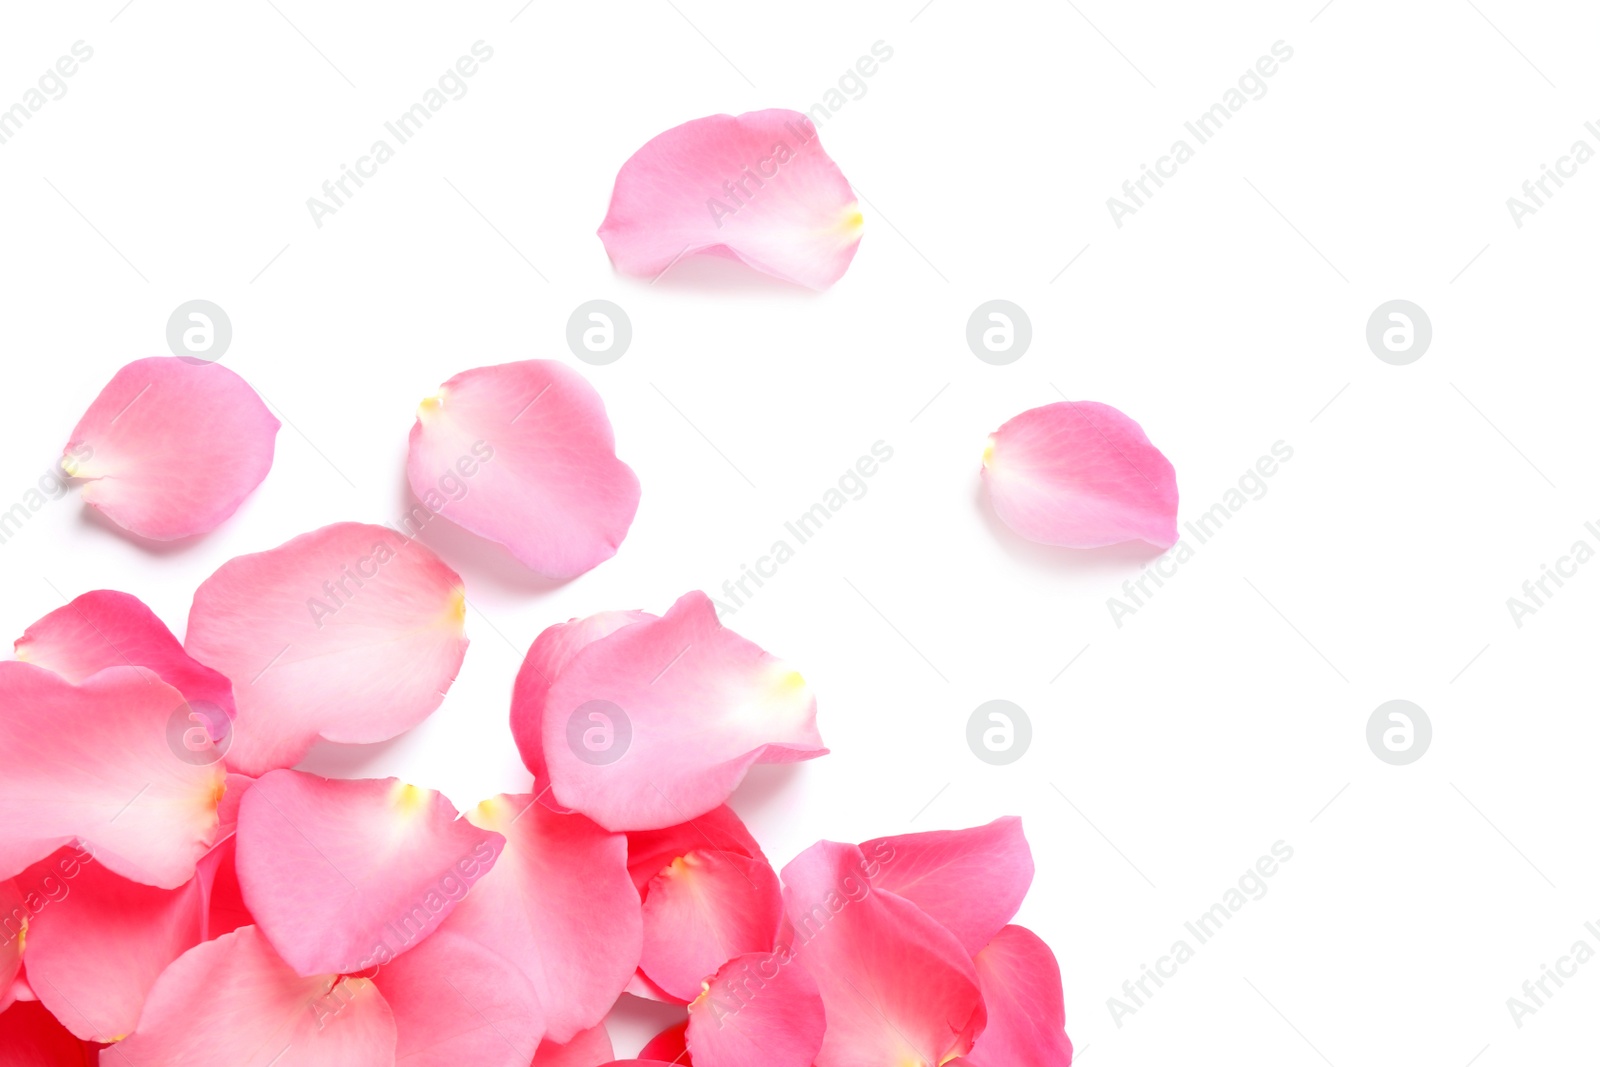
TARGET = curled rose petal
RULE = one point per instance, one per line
(1021, 985)
(657, 723)
(233, 1001)
(971, 881)
(343, 876)
(757, 187)
(1081, 475)
(456, 1002)
(718, 830)
(352, 633)
(560, 906)
(760, 1010)
(31, 1037)
(110, 781)
(702, 910)
(523, 454)
(170, 448)
(591, 1048)
(671, 1045)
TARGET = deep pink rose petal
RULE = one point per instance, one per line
(761, 1010)
(898, 987)
(682, 708)
(718, 830)
(31, 1037)
(971, 881)
(1021, 985)
(91, 763)
(171, 448)
(106, 628)
(560, 906)
(346, 875)
(351, 632)
(14, 919)
(757, 187)
(552, 650)
(1081, 475)
(233, 1001)
(456, 1002)
(671, 1045)
(591, 1048)
(701, 911)
(544, 477)
(225, 909)
(94, 952)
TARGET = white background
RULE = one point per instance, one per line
(1226, 315)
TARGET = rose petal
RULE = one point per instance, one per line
(671, 1045)
(14, 919)
(544, 477)
(1081, 475)
(171, 448)
(345, 875)
(225, 909)
(1021, 985)
(681, 708)
(91, 762)
(351, 632)
(704, 909)
(897, 986)
(718, 830)
(560, 906)
(971, 881)
(758, 187)
(456, 1002)
(590, 1048)
(233, 1001)
(31, 1037)
(761, 1010)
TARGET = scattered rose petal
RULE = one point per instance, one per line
(702, 910)
(758, 187)
(456, 1002)
(351, 633)
(761, 1010)
(591, 1048)
(1021, 985)
(718, 830)
(225, 909)
(31, 1037)
(14, 918)
(671, 1045)
(171, 448)
(343, 876)
(523, 454)
(1081, 475)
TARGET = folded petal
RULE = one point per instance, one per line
(591, 1048)
(1021, 985)
(343, 876)
(94, 953)
(456, 1002)
(531, 450)
(233, 1001)
(91, 763)
(671, 1045)
(971, 881)
(897, 986)
(352, 633)
(31, 1037)
(682, 707)
(760, 1010)
(224, 906)
(1081, 475)
(171, 448)
(757, 187)
(701, 911)
(560, 906)
(718, 830)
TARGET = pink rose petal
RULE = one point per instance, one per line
(14, 920)
(171, 448)
(109, 781)
(671, 1045)
(761, 1010)
(699, 705)
(225, 909)
(757, 187)
(31, 1037)
(1081, 475)
(591, 1048)
(523, 454)
(701, 911)
(1021, 985)
(351, 633)
(233, 1001)
(456, 1002)
(718, 830)
(346, 875)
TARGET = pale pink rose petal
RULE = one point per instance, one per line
(456, 1002)
(718, 830)
(14, 920)
(170, 448)
(92, 763)
(93, 954)
(560, 906)
(644, 989)
(233, 1001)
(671, 1045)
(972, 881)
(549, 655)
(523, 454)
(702, 910)
(31, 1037)
(106, 628)
(346, 875)
(898, 987)
(761, 1010)
(1081, 475)
(681, 708)
(1021, 985)
(591, 1048)
(758, 187)
(351, 633)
